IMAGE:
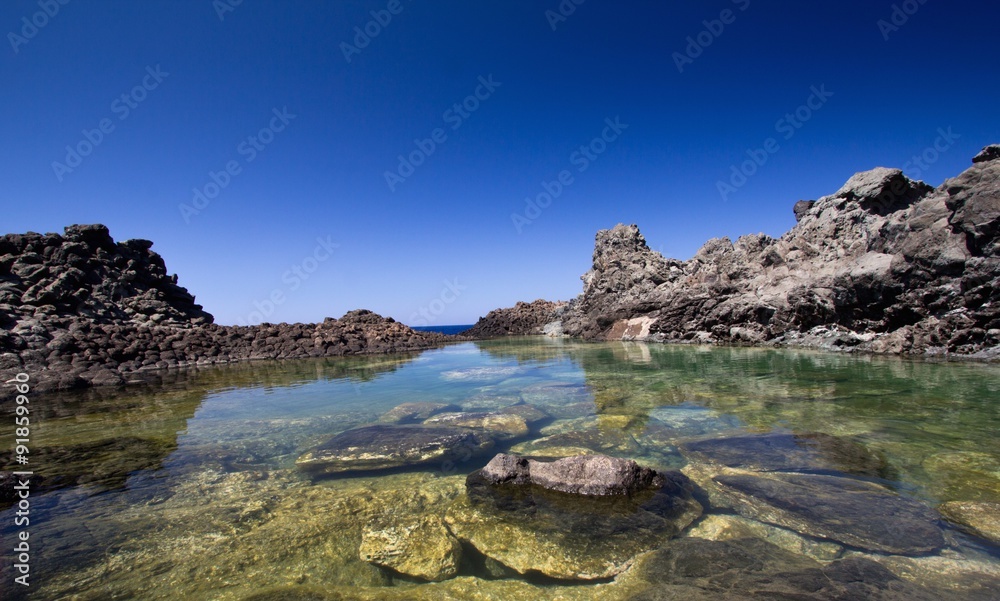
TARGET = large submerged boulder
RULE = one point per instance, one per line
(701, 570)
(591, 533)
(595, 475)
(852, 512)
(384, 447)
(806, 452)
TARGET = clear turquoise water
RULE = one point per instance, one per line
(188, 489)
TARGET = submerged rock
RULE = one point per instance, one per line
(966, 475)
(701, 570)
(497, 424)
(982, 519)
(533, 530)
(477, 374)
(719, 527)
(422, 548)
(487, 401)
(788, 452)
(532, 415)
(384, 447)
(412, 413)
(592, 439)
(852, 512)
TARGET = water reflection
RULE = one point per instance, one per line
(142, 478)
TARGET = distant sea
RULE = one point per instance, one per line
(442, 329)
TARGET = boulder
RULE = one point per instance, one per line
(989, 153)
(422, 548)
(591, 475)
(594, 475)
(533, 530)
(801, 208)
(506, 469)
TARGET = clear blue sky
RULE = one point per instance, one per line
(199, 89)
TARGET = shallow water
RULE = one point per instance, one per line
(188, 489)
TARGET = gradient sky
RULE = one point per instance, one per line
(443, 240)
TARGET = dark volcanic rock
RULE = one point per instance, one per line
(788, 452)
(801, 208)
(594, 475)
(506, 469)
(855, 513)
(990, 153)
(885, 264)
(523, 319)
(695, 569)
(385, 447)
(591, 475)
(530, 529)
(79, 309)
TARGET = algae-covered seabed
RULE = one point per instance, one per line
(188, 489)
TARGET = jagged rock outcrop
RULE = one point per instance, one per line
(85, 273)
(523, 319)
(885, 264)
(79, 309)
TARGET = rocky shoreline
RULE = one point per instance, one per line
(884, 265)
(79, 310)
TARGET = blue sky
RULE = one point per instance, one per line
(290, 120)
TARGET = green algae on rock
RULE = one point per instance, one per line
(811, 451)
(496, 424)
(421, 547)
(982, 519)
(385, 447)
(412, 413)
(852, 512)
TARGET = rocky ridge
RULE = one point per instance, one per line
(523, 319)
(79, 309)
(885, 264)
